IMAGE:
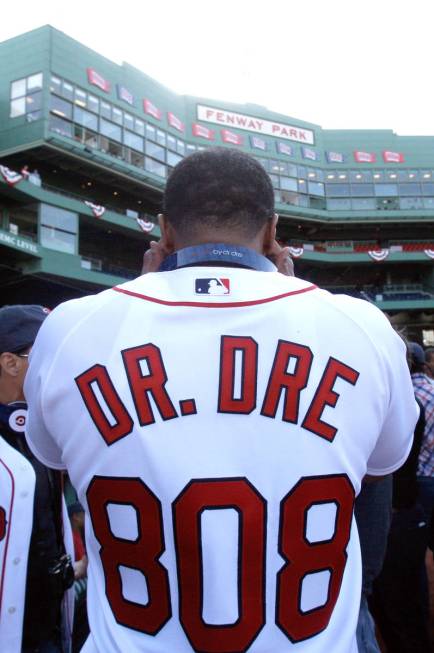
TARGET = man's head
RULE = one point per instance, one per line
(19, 326)
(417, 358)
(429, 357)
(219, 195)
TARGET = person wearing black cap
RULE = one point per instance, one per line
(31, 543)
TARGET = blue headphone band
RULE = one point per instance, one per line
(217, 253)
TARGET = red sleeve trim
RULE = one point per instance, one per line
(252, 302)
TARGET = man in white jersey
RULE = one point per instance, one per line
(218, 442)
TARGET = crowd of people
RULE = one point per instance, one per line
(91, 409)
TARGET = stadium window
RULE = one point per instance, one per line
(363, 204)
(409, 189)
(411, 203)
(301, 172)
(26, 96)
(161, 137)
(274, 180)
(106, 110)
(265, 163)
(378, 176)
(93, 103)
(132, 140)
(387, 204)
(151, 132)
(80, 98)
(315, 173)
(171, 142)
(428, 202)
(139, 127)
(155, 167)
(67, 91)
(386, 190)
(33, 102)
(277, 197)
(60, 126)
(426, 174)
(156, 151)
(60, 107)
(111, 147)
(110, 130)
(180, 147)
(290, 198)
(137, 159)
(317, 203)
(302, 186)
(117, 116)
(428, 188)
(172, 158)
(292, 170)
(85, 118)
(90, 138)
(337, 190)
(55, 85)
(287, 183)
(189, 148)
(33, 115)
(17, 108)
(58, 228)
(315, 188)
(339, 205)
(128, 121)
(360, 176)
(362, 190)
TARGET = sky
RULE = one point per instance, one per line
(365, 64)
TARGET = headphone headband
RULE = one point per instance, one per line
(212, 253)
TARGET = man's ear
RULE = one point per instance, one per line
(167, 240)
(10, 364)
(270, 234)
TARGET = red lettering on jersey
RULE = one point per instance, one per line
(292, 383)
(326, 396)
(123, 425)
(2, 523)
(246, 403)
(142, 553)
(197, 497)
(142, 385)
(303, 557)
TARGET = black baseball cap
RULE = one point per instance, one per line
(19, 325)
(417, 353)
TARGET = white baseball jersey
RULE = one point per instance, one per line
(217, 423)
(17, 491)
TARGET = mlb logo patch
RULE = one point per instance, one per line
(212, 286)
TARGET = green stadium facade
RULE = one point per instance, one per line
(86, 146)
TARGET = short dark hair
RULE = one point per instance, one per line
(218, 188)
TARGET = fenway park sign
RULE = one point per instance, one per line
(252, 124)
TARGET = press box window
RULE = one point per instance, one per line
(26, 97)
(58, 229)
(60, 107)
(110, 130)
(85, 118)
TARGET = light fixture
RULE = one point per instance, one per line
(342, 176)
(312, 175)
(301, 181)
(426, 175)
(411, 175)
(139, 201)
(377, 176)
(115, 192)
(89, 183)
(359, 176)
(330, 176)
(392, 175)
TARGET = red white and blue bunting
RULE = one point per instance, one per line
(96, 209)
(429, 252)
(296, 252)
(145, 225)
(379, 255)
(10, 176)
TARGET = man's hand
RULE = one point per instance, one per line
(281, 259)
(154, 256)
